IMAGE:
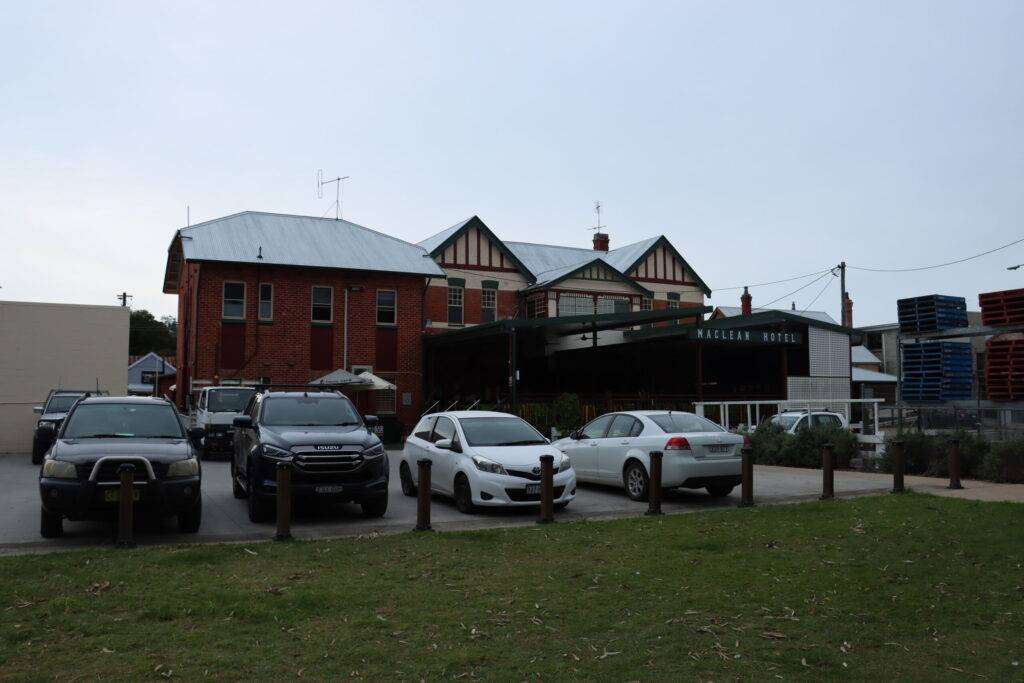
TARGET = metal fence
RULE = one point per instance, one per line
(992, 423)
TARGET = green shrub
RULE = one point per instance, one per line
(1004, 462)
(773, 446)
(929, 454)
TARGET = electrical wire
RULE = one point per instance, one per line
(801, 287)
(773, 282)
(937, 265)
(818, 295)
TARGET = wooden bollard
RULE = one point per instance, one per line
(954, 464)
(423, 495)
(547, 489)
(899, 465)
(747, 472)
(284, 502)
(654, 485)
(126, 507)
(827, 472)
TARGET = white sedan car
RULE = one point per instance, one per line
(615, 449)
(484, 458)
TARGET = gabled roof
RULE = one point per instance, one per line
(634, 254)
(552, 277)
(436, 244)
(861, 354)
(862, 375)
(257, 237)
(168, 368)
(820, 316)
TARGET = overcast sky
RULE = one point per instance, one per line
(765, 140)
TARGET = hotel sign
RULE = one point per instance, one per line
(747, 336)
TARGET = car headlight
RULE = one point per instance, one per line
(566, 464)
(485, 465)
(59, 469)
(374, 452)
(46, 423)
(276, 453)
(188, 467)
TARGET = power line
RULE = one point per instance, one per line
(817, 279)
(937, 265)
(818, 295)
(773, 282)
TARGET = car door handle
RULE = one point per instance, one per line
(624, 443)
(593, 443)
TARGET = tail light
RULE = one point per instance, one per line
(746, 441)
(677, 443)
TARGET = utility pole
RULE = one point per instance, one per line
(124, 296)
(842, 294)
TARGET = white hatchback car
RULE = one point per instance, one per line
(793, 421)
(484, 458)
(615, 449)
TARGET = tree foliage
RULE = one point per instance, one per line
(146, 333)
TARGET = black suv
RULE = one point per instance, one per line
(79, 478)
(51, 415)
(333, 452)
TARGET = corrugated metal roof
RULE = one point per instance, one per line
(303, 241)
(434, 241)
(862, 375)
(860, 354)
(546, 258)
(820, 316)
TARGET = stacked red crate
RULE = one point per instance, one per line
(1004, 367)
(1002, 308)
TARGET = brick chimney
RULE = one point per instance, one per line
(745, 300)
(847, 311)
(600, 241)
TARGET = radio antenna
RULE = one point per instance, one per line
(339, 191)
(597, 210)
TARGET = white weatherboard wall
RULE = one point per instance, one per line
(829, 370)
(46, 345)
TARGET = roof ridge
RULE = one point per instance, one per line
(557, 246)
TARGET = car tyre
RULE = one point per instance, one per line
(374, 507)
(51, 525)
(237, 490)
(190, 520)
(260, 506)
(719, 490)
(37, 454)
(636, 480)
(408, 488)
(560, 506)
(463, 495)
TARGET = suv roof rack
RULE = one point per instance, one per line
(307, 388)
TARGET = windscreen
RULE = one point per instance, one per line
(685, 423)
(500, 431)
(123, 420)
(309, 411)
(61, 404)
(228, 400)
(785, 421)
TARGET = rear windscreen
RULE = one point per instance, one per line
(674, 423)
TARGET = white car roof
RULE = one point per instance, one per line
(471, 413)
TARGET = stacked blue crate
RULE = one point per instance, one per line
(937, 371)
(932, 313)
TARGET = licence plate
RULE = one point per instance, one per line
(718, 448)
(329, 489)
(114, 495)
(532, 489)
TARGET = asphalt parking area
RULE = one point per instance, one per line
(225, 518)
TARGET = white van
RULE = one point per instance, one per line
(216, 410)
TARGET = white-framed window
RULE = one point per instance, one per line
(234, 301)
(266, 311)
(356, 369)
(455, 305)
(537, 306)
(488, 305)
(612, 304)
(646, 303)
(575, 304)
(323, 305)
(387, 309)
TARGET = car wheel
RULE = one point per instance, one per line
(189, 522)
(560, 506)
(37, 454)
(463, 495)
(374, 507)
(260, 509)
(719, 490)
(636, 481)
(408, 488)
(237, 490)
(51, 525)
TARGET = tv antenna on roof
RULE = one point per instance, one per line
(597, 210)
(339, 190)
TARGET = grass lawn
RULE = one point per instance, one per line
(907, 587)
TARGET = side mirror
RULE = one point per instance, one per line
(38, 410)
(371, 421)
(242, 421)
(575, 436)
(449, 445)
(195, 435)
(49, 430)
